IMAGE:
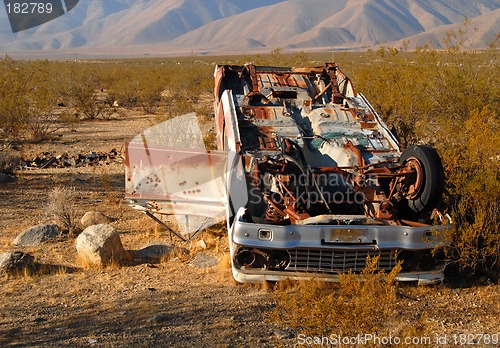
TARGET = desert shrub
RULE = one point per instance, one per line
(6, 76)
(133, 85)
(178, 103)
(123, 85)
(210, 140)
(279, 57)
(348, 308)
(471, 157)
(29, 95)
(448, 99)
(143, 86)
(82, 87)
(151, 87)
(187, 88)
(9, 160)
(398, 85)
(61, 208)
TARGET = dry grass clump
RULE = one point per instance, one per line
(8, 160)
(214, 239)
(224, 269)
(112, 265)
(358, 304)
(177, 253)
(61, 208)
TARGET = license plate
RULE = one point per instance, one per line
(346, 235)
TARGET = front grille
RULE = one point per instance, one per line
(337, 261)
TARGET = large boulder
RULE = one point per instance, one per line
(95, 218)
(36, 235)
(100, 245)
(17, 263)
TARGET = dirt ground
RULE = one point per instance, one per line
(177, 303)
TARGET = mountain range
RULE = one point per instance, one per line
(175, 27)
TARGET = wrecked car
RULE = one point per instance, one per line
(308, 177)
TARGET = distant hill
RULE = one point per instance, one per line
(136, 27)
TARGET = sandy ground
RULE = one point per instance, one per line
(180, 302)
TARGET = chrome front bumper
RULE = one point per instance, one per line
(326, 251)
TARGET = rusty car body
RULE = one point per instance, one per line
(307, 175)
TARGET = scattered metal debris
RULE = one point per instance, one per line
(49, 160)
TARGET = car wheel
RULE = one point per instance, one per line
(422, 189)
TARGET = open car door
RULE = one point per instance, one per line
(172, 177)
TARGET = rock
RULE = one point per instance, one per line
(159, 318)
(95, 218)
(204, 261)
(17, 263)
(153, 253)
(5, 178)
(282, 334)
(36, 235)
(100, 245)
(201, 243)
(80, 181)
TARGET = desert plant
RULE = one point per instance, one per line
(456, 40)
(9, 160)
(472, 161)
(29, 94)
(347, 308)
(448, 99)
(6, 72)
(61, 208)
(152, 85)
(81, 90)
(124, 88)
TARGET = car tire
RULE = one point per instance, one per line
(430, 185)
